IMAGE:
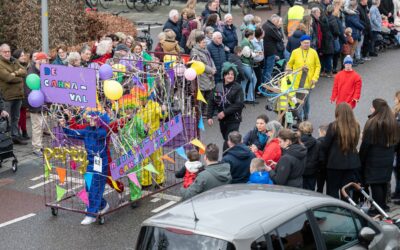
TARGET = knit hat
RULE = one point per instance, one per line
(121, 46)
(305, 37)
(226, 67)
(348, 60)
(42, 56)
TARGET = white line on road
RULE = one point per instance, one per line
(155, 200)
(163, 207)
(152, 27)
(37, 177)
(167, 197)
(16, 220)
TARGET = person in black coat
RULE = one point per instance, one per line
(321, 172)
(211, 8)
(218, 54)
(228, 102)
(340, 150)
(387, 8)
(239, 157)
(258, 136)
(377, 150)
(230, 37)
(174, 24)
(363, 9)
(396, 109)
(310, 173)
(294, 40)
(235, 59)
(290, 168)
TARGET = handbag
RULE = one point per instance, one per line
(336, 45)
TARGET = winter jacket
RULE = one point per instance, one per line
(346, 88)
(271, 152)
(187, 27)
(175, 27)
(294, 40)
(238, 62)
(333, 26)
(230, 37)
(32, 70)
(227, 98)
(260, 177)
(311, 59)
(273, 39)
(353, 21)
(219, 56)
(375, 18)
(189, 172)
(290, 168)
(376, 161)
(170, 47)
(321, 155)
(214, 175)
(386, 7)
(252, 138)
(248, 59)
(335, 157)
(11, 86)
(364, 18)
(258, 46)
(207, 12)
(293, 19)
(328, 30)
(205, 80)
(239, 158)
(59, 61)
(312, 154)
(102, 59)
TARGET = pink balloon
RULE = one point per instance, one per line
(190, 74)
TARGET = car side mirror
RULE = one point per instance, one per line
(367, 234)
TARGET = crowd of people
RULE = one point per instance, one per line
(313, 40)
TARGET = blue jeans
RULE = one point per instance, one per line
(251, 78)
(358, 48)
(269, 63)
(306, 108)
(327, 63)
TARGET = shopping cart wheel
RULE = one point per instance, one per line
(101, 220)
(54, 211)
(14, 166)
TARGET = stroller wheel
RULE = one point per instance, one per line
(101, 220)
(54, 211)
(14, 166)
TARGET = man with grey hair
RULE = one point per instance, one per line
(74, 59)
(229, 33)
(218, 54)
(174, 24)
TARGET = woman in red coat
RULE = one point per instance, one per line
(272, 151)
(347, 85)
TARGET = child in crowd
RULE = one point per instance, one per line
(191, 169)
(348, 46)
(321, 172)
(310, 173)
(258, 175)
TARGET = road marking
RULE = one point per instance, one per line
(163, 207)
(16, 220)
(167, 197)
(37, 177)
(54, 177)
(155, 200)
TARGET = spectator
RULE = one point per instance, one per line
(37, 119)
(293, 18)
(306, 138)
(396, 110)
(347, 47)
(103, 51)
(12, 89)
(258, 175)
(170, 45)
(376, 25)
(208, 31)
(61, 57)
(247, 24)
(258, 137)
(248, 54)
(273, 45)
(205, 81)
(386, 8)
(228, 102)
(158, 50)
(189, 23)
(366, 36)
(211, 8)
(74, 59)
(22, 58)
(340, 39)
(258, 65)
(235, 59)
(347, 85)
(353, 22)
(380, 136)
(290, 168)
(192, 168)
(218, 54)
(321, 172)
(129, 42)
(213, 21)
(173, 24)
(86, 55)
(335, 31)
(229, 33)
(215, 174)
(294, 40)
(340, 150)
(272, 151)
(192, 38)
(239, 157)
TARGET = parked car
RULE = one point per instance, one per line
(265, 217)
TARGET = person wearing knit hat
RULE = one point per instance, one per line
(228, 102)
(347, 85)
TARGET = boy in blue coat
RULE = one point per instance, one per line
(258, 174)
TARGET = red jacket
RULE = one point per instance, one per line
(347, 88)
(272, 152)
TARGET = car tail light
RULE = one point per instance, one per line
(179, 231)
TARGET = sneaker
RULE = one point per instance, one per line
(360, 61)
(88, 220)
(329, 75)
(323, 74)
(373, 54)
(25, 135)
(18, 141)
(105, 209)
(367, 58)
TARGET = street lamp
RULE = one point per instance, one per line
(45, 26)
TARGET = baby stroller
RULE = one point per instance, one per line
(6, 144)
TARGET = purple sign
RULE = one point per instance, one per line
(68, 85)
(165, 133)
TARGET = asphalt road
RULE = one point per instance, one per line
(26, 224)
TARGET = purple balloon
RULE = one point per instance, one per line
(105, 72)
(36, 98)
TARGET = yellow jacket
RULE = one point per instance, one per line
(151, 115)
(309, 58)
(285, 84)
(295, 16)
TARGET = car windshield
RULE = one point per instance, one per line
(160, 238)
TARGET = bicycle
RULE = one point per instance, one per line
(139, 5)
(103, 3)
(146, 37)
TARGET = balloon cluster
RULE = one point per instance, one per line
(112, 89)
(197, 68)
(36, 97)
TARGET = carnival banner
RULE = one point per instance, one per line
(148, 146)
(68, 85)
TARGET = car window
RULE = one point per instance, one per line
(294, 234)
(259, 244)
(338, 226)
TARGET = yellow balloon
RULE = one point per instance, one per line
(119, 67)
(199, 67)
(113, 90)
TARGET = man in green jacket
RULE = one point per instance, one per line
(12, 88)
(215, 174)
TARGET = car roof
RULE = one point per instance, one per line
(229, 212)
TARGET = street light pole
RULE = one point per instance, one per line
(229, 6)
(45, 26)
